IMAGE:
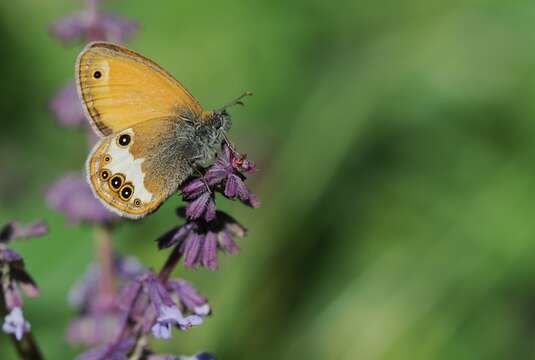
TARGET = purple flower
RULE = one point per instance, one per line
(168, 312)
(93, 26)
(93, 329)
(81, 295)
(189, 297)
(115, 351)
(72, 196)
(226, 176)
(67, 107)
(15, 231)
(14, 323)
(13, 275)
(199, 240)
(170, 316)
(200, 356)
(98, 321)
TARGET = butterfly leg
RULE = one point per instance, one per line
(198, 169)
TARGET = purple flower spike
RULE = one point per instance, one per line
(13, 275)
(69, 29)
(15, 324)
(67, 108)
(72, 196)
(116, 28)
(200, 356)
(87, 26)
(15, 231)
(115, 351)
(99, 319)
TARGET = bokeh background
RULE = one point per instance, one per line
(395, 146)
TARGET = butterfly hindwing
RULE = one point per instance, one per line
(135, 170)
(120, 88)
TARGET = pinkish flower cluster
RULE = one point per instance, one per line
(208, 230)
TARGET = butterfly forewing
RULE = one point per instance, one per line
(120, 88)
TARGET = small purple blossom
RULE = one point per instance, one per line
(114, 351)
(199, 240)
(93, 26)
(81, 295)
(72, 196)
(226, 176)
(149, 302)
(189, 297)
(97, 322)
(67, 108)
(14, 323)
(169, 314)
(200, 356)
(172, 316)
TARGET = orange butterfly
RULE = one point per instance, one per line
(153, 130)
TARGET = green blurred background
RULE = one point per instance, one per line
(395, 147)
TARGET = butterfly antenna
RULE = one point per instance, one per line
(236, 101)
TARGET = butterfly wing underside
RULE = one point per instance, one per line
(120, 88)
(135, 170)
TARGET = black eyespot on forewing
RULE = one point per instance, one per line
(97, 74)
(124, 140)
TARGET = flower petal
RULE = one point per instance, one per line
(192, 249)
(198, 207)
(209, 251)
(14, 323)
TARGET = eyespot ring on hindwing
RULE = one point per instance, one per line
(137, 202)
(116, 181)
(106, 158)
(104, 174)
(126, 191)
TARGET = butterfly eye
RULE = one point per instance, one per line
(126, 191)
(106, 158)
(137, 202)
(97, 74)
(124, 140)
(104, 174)
(116, 181)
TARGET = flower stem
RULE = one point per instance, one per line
(170, 265)
(27, 347)
(104, 253)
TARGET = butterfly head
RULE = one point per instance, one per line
(221, 121)
(220, 117)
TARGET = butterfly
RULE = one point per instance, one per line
(153, 131)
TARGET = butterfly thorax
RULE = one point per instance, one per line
(208, 134)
